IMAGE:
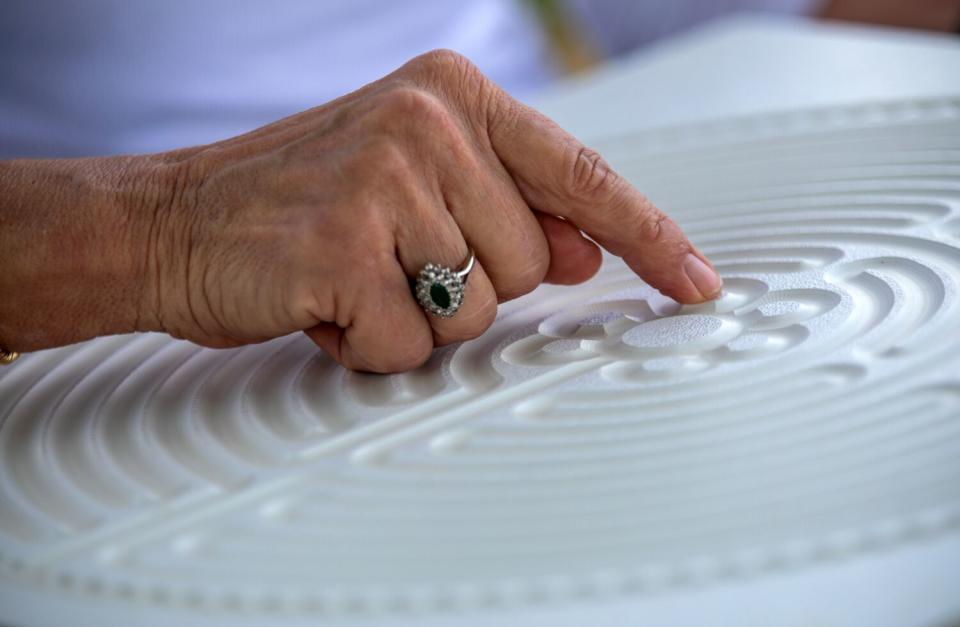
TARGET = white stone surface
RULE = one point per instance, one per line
(789, 455)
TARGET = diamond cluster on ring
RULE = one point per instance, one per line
(439, 290)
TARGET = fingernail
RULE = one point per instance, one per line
(708, 282)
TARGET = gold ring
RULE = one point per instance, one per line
(7, 357)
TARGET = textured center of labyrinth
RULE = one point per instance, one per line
(676, 331)
(597, 437)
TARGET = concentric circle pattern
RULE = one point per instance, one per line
(597, 439)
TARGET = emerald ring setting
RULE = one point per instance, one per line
(440, 289)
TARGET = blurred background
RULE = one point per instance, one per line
(585, 32)
(108, 76)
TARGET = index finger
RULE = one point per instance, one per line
(558, 175)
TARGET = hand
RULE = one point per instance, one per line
(317, 222)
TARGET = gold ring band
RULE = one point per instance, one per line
(7, 357)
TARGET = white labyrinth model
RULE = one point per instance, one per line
(597, 440)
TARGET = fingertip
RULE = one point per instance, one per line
(687, 277)
(703, 276)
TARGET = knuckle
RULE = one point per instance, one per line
(454, 77)
(653, 227)
(404, 99)
(409, 110)
(589, 177)
(407, 101)
(444, 63)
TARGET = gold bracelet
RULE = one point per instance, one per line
(7, 357)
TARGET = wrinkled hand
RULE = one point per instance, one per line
(317, 222)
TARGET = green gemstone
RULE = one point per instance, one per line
(439, 295)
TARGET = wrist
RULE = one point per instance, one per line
(150, 191)
(160, 200)
(72, 248)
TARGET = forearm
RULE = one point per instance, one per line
(73, 238)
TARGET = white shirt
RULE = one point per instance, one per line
(96, 77)
(111, 76)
